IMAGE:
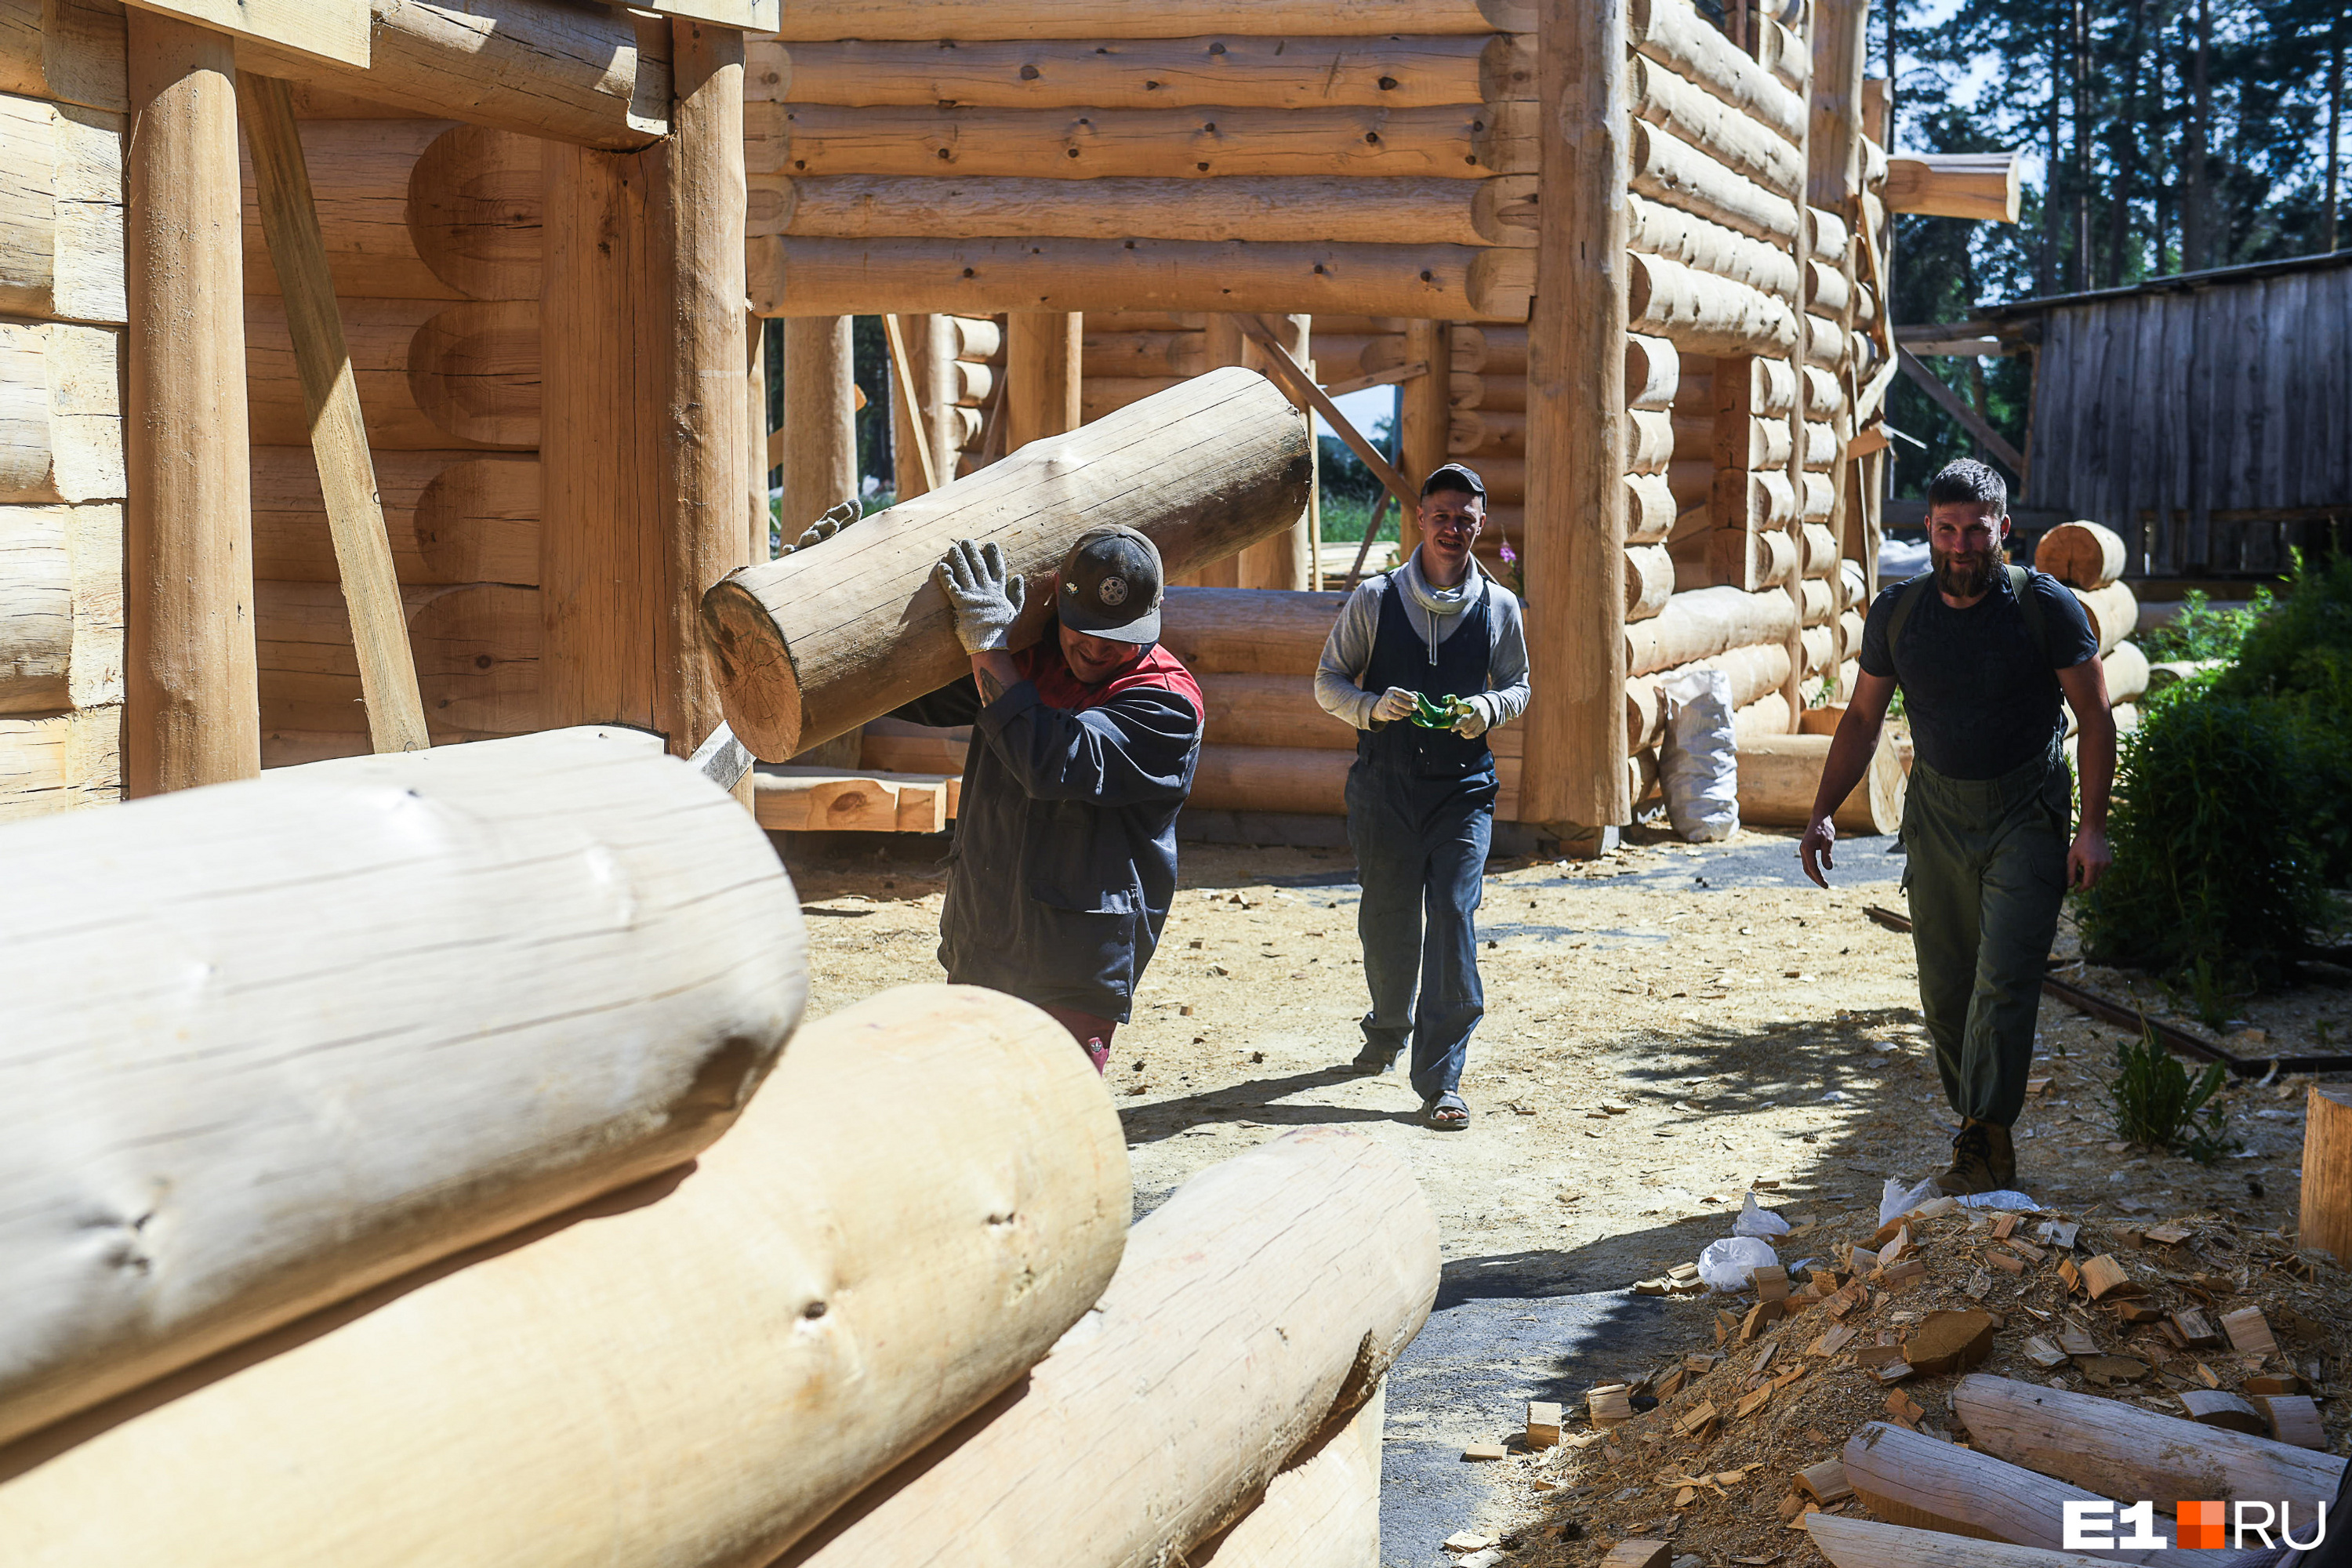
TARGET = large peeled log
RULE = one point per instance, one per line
(1322, 1511)
(821, 640)
(1701, 313)
(1265, 1299)
(1779, 776)
(2084, 555)
(279, 1041)
(689, 1375)
(1707, 622)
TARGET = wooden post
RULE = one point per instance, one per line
(820, 466)
(1426, 409)
(2325, 1218)
(1042, 374)
(642, 443)
(1835, 184)
(191, 702)
(910, 435)
(1799, 355)
(702, 438)
(1222, 344)
(1576, 423)
(339, 443)
(756, 432)
(1287, 560)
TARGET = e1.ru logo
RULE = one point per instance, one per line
(2089, 1525)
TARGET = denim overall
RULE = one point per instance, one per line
(1420, 812)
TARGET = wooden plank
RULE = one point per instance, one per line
(1575, 502)
(1295, 380)
(335, 30)
(986, 19)
(395, 713)
(746, 16)
(816, 799)
(192, 699)
(1953, 404)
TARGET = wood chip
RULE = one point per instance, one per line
(1949, 1341)
(1893, 1371)
(2060, 1233)
(1903, 1275)
(2104, 1276)
(2007, 1263)
(1638, 1555)
(2025, 1249)
(2042, 1353)
(1485, 1451)
(2293, 1419)
(1834, 1340)
(1905, 1409)
(1979, 1284)
(1610, 1407)
(1671, 1384)
(1771, 1282)
(1694, 1419)
(2196, 1331)
(2168, 1235)
(2003, 1225)
(1752, 1403)
(1543, 1425)
(1825, 1482)
(1466, 1541)
(2249, 1333)
(2206, 1373)
(1682, 1497)
(2077, 1342)
(2139, 1312)
(2067, 1272)
(2273, 1383)
(2216, 1407)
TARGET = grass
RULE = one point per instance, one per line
(2202, 632)
(2157, 1102)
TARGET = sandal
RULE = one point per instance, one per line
(1446, 1113)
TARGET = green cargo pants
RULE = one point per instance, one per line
(1986, 871)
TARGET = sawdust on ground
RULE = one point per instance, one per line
(1654, 1042)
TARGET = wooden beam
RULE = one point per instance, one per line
(993, 19)
(192, 712)
(1293, 378)
(1425, 411)
(820, 432)
(1575, 502)
(1985, 186)
(823, 640)
(571, 73)
(1951, 403)
(700, 533)
(297, 252)
(907, 400)
(1389, 377)
(331, 30)
(741, 15)
(1044, 374)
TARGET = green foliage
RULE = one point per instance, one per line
(2155, 1101)
(2201, 632)
(2214, 862)
(2299, 659)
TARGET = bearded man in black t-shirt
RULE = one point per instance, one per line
(1984, 652)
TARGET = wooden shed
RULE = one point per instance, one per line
(2206, 417)
(448, 346)
(1626, 260)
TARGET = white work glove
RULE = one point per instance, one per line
(825, 527)
(986, 598)
(1471, 721)
(1395, 703)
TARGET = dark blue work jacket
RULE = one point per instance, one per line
(1064, 864)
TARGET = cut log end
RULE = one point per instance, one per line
(761, 689)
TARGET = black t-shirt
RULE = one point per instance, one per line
(1980, 697)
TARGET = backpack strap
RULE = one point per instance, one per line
(2021, 586)
(2020, 583)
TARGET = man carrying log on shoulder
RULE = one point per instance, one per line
(1983, 652)
(1424, 661)
(1083, 747)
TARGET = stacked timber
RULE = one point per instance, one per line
(432, 234)
(957, 367)
(1368, 159)
(2089, 557)
(62, 472)
(578, 1240)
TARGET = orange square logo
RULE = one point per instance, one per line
(2201, 1526)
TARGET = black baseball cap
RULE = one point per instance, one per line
(1455, 477)
(1111, 586)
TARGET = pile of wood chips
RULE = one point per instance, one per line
(2197, 1318)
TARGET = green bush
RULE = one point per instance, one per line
(2216, 877)
(2202, 632)
(2300, 659)
(2155, 1102)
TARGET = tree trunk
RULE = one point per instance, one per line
(1323, 1511)
(1237, 632)
(1265, 1299)
(818, 642)
(2326, 1215)
(277, 1121)
(1850, 1542)
(1909, 1479)
(695, 1373)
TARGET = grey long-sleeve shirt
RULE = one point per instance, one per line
(1347, 651)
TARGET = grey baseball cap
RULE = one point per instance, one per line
(1455, 477)
(1111, 586)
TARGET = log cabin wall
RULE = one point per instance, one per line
(63, 98)
(433, 237)
(1384, 185)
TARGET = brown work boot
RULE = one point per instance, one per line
(2001, 1155)
(1972, 1170)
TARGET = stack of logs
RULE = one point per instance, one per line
(552, 1237)
(62, 477)
(957, 363)
(2088, 557)
(432, 240)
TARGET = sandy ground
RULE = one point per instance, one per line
(1664, 1027)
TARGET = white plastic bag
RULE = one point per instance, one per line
(1698, 763)
(1728, 1264)
(1755, 1219)
(1895, 1200)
